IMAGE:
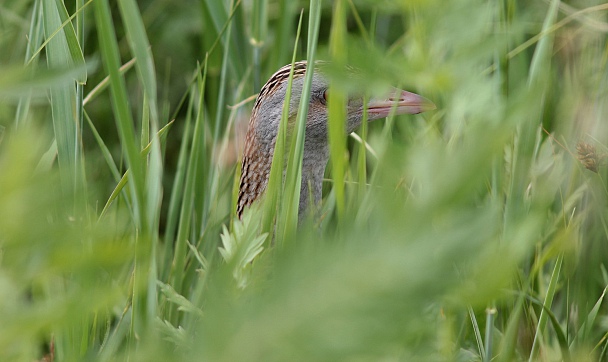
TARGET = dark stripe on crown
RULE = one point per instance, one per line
(299, 70)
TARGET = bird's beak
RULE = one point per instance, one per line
(401, 101)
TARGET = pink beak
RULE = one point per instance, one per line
(401, 101)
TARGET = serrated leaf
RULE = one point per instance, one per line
(183, 304)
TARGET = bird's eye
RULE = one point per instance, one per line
(325, 96)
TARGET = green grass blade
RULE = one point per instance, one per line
(124, 119)
(101, 86)
(140, 47)
(142, 297)
(216, 15)
(210, 52)
(107, 155)
(274, 190)
(542, 321)
(259, 30)
(359, 22)
(541, 63)
(125, 177)
(65, 122)
(76, 56)
(559, 332)
(361, 156)
(177, 191)
(541, 59)
(585, 330)
(477, 332)
(187, 207)
(471, 205)
(284, 33)
(213, 173)
(18, 82)
(221, 99)
(507, 347)
(487, 353)
(35, 35)
(293, 178)
(337, 108)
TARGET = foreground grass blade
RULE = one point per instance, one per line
(468, 209)
(19, 81)
(71, 38)
(124, 119)
(542, 321)
(284, 41)
(140, 47)
(177, 193)
(187, 208)
(143, 292)
(477, 332)
(293, 178)
(35, 36)
(274, 190)
(61, 54)
(487, 353)
(584, 332)
(259, 29)
(337, 108)
(538, 75)
(122, 181)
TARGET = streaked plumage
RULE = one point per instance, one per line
(264, 123)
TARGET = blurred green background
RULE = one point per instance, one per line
(474, 232)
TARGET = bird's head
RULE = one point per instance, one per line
(266, 117)
(269, 105)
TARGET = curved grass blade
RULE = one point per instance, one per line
(293, 178)
(124, 119)
(542, 320)
(274, 190)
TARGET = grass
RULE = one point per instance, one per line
(475, 232)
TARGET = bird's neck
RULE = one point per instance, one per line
(256, 171)
(316, 155)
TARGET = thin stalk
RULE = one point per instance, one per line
(259, 30)
(183, 231)
(294, 165)
(80, 94)
(490, 315)
(337, 108)
(35, 37)
(213, 171)
(274, 193)
(362, 159)
(542, 320)
(284, 37)
(124, 119)
(177, 191)
(477, 332)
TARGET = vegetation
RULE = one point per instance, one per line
(474, 232)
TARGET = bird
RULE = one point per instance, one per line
(264, 122)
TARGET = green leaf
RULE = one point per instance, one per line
(337, 108)
(122, 113)
(242, 246)
(542, 321)
(293, 178)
